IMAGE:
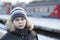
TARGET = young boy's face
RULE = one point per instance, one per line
(19, 22)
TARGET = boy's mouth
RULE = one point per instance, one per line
(20, 25)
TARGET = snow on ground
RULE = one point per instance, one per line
(46, 22)
(42, 37)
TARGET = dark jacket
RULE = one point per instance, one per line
(19, 35)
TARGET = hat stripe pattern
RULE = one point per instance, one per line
(18, 9)
(18, 12)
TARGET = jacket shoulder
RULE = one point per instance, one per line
(6, 36)
(34, 35)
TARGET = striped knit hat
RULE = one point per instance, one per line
(18, 12)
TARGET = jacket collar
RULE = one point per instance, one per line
(20, 32)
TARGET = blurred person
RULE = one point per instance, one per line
(19, 26)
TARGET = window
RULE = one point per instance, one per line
(43, 9)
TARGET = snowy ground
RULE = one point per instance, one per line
(42, 37)
(47, 23)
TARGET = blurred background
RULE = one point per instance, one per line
(44, 14)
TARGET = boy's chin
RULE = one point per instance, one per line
(20, 28)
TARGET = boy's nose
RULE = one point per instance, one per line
(20, 22)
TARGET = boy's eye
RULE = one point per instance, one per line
(22, 18)
(19, 19)
(16, 19)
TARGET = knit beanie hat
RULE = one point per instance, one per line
(18, 12)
